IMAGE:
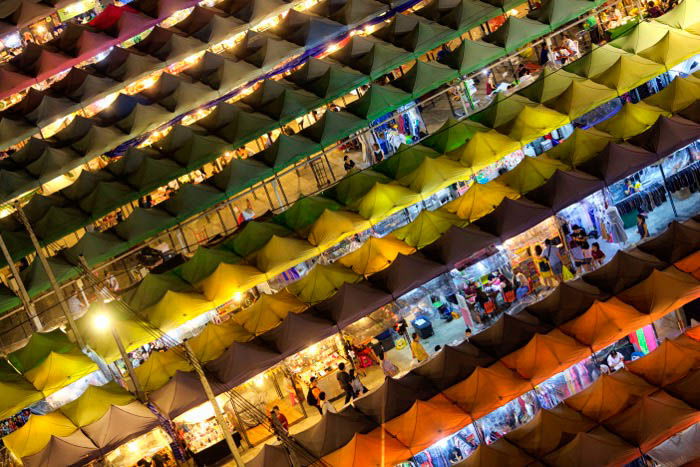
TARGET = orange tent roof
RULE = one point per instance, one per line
(549, 430)
(427, 422)
(690, 263)
(487, 389)
(694, 333)
(546, 355)
(605, 323)
(498, 454)
(653, 419)
(609, 395)
(662, 292)
(670, 362)
(375, 449)
(598, 447)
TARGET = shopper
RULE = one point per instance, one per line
(357, 386)
(553, 255)
(312, 396)
(326, 405)
(615, 360)
(348, 163)
(377, 350)
(278, 419)
(377, 153)
(417, 349)
(345, 382)
(597, 254)
(389, 368)
(545, 268)
(642, 228)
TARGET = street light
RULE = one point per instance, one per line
(102, 322)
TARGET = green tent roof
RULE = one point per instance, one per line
(371, 56)
(240, 174)
(469, 14)
(35, 279)
(506, 4)
(287, 150)
(280, 101)
(85, 184)
(424, 77)
(152, 288)
(549, 84)
(191, 199)
(516, 32)
(254, 236)
(557, 12)
(96, 247)
(234, 124)
(501, 110)
(151, 172)
(190, 149)
(354, 187)
(8, 301)
(351, 12)
(333, 127)
(326, 79)
(450, 136)
(406, 160)
(59, 222)
(40, 345)
(105, 197)
(413, 33)
(471, 56)
(204, 262)
(143, 223)
(378, 101)
(304, 212)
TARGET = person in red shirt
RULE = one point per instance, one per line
(279, 419)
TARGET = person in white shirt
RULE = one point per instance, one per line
(615, 360)
(326, 405)
(248, 212)
(572, 45)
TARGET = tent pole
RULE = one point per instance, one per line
(217, 409)
(49, 273)
(23, 295)
(670, 195)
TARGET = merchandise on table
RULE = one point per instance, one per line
(155, 443)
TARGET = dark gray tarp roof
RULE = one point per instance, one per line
(242, 361)
(625, 269)
(675, 243)
(564, 188)
(667, 135)
(298, 331)
(617, 161)
(121, 424)
(453, 364)
(62, 451)
(506, 335)
(395, 397)
(351, 302)
(513, 217)
(183, 392)
(406, 273)
(566, 302)
(458, 244)
(334, 430)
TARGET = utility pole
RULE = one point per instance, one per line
(194, 361)
(23, 295)
(49, 273)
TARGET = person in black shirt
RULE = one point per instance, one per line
(377, 152)
(345, 381)
(348, 163)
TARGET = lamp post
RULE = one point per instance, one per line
(102, 323)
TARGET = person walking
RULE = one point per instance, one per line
(345, 382)
(357, 386)
(326, 405)
(417, 349)
(312, 396)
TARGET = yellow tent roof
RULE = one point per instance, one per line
(580, 97)
(229, 279)
(268, 311)
(480, 199)
(132, 333)
(427, 227)
(628, 72)
(282, 253)
(375, 254)
(678, 95)
(534, 122)
(322, 282)
(95, 402)
(333, 226)
(641, 37)
(385, 199)
(674, 48)
(581, 146)
(59, 370)
(632, 120)
(176, 308)
(211, 342)
(484, 149)
(594, 63)
(435, 174)
(686, 16)
(530, 173)
(36, 433)
(159, 367)
(17, 395)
